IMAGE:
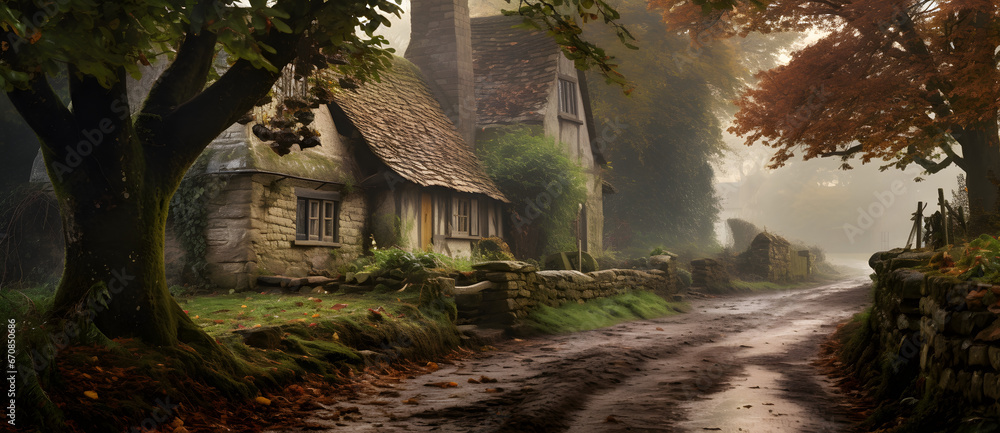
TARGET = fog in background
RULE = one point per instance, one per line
(858, 210)
(812, 202)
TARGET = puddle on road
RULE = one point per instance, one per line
(768, 409)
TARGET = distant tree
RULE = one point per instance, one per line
(743, 233)
(662, 138)
(901, 81)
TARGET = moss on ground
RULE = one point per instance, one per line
(318, 336)
(600, 313)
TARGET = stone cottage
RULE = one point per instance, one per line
(487, 73)
(391, 167)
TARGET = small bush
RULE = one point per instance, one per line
(490, 249)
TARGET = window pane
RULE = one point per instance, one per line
(567, 97)
(328, 221)
(314, 220)
(300, 220)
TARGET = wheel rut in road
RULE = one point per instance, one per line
(739, 363)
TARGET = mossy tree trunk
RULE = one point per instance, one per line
(114, 172)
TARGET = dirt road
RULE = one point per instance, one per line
(734, 364)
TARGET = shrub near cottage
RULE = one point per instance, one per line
(544, 186)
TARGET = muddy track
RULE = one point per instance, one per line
(739, 363)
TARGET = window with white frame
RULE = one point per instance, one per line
(316, 215)
(567, 97)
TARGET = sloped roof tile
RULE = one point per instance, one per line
(515, 70)
(406, 128)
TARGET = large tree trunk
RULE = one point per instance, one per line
(981, 155)
(116, 240)
(114, 184)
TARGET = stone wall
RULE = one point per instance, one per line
(251, 232)
(272, 231)
(518, 288)
(769, 258)
(709, 274)
(940, 327)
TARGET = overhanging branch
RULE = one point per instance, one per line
(928, 165)
(186, 75)
(44, 112)
(846, 153)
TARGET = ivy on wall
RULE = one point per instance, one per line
(188, 216)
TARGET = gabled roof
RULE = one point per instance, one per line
(515, 70)
(406, 128)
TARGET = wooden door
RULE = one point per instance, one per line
(426, 220)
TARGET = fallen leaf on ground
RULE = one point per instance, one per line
(485, 379)
(338, 307)
(411, 401)
(263, 400)
(90, 394)
(442, 384)
(471, 380)
(659, 329)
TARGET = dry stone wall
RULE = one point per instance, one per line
(517, 288)
(769, 258)
(940, 327)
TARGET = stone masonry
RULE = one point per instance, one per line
(519, 288)
(769, 258)
(944, 329)
(441, 46)
(251, 232)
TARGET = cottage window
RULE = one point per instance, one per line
(567, 97)
(462, 217)
(465, 216)
(316, 216)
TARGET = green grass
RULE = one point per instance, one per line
(766, 286)
(600, 313)
(218, 314)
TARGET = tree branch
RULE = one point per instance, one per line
(185, 77)
(846, 153)
(928, 165)
(958, 160)
(44, 112)
(188, 129)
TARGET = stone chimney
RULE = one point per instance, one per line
(441, 46)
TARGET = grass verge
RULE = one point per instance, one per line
(600, 313)
(279, 339)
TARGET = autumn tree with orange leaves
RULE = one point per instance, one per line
(898, 81)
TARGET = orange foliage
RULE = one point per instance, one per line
(891, 80)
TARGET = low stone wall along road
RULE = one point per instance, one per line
(734, 364)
